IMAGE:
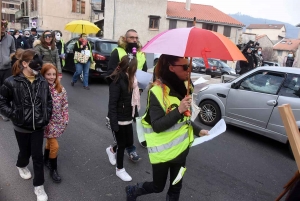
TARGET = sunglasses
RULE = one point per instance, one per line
(47, 36)
(184, 66)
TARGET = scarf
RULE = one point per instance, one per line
(135, 100)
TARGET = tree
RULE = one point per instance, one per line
(269, 54)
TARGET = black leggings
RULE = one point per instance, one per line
(160, 175)
(31, 144)
(124, 138)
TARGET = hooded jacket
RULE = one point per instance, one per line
(50, 56)
(7, 47)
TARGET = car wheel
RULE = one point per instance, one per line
(210, 113)
(155, 62)
(212, 76)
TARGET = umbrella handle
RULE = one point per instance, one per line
(188, 112)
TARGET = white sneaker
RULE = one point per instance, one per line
(111, 156)
(40, 193)
(24, 173)
(122, 174)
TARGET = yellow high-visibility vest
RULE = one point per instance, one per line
(140, 56)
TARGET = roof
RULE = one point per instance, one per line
(260, 36)
(287, 44)
(265, 26)
(204, 13)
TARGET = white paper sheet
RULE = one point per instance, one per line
(195, 108)
(218, 129)
(143, 78)
(200, 81)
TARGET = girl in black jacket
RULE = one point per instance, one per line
(26, 100)
(123, 98)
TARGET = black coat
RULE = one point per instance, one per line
(29, 106)
(119, 107)
(247, 66)
(21, 42)
(289, 62)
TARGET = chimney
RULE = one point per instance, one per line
(188, 5)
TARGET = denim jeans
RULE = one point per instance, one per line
(85, 68)
(31, 144)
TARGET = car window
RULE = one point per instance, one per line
(92, 45)
(263, 82)
(70, 45)
(105, 47)
(291, 86)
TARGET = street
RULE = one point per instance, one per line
(238, 165)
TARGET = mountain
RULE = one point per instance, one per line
(291, 30)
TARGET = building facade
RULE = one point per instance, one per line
(275, 32)
(9, 10)
(283, 47)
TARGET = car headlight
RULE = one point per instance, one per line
(232, 72)
(203, 88)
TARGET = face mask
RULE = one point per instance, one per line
(258, 52)
(290, 55)
(57, 37)
(16, 36)
(132, 45)
(36, 64)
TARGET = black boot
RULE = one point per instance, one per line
(46, 158)
(172, 197)
(53, 170)
(132, 192)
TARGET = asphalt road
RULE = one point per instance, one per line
(238, 165)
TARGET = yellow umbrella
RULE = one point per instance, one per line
(81, 26)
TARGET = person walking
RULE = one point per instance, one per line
(7, 48)
(46, 47)
(27, 38)
(123, 98)
(60, 45)
(83, 47)
(289, 60)
(20, 41)
(26, 100)
(34, 36)
(168, 131)
(59, 119)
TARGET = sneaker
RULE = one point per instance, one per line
(72, 84)
(122, 174)
(24, 173)
(40, 193)
(133, 156)
(4, 118)
(87, 88)
(111, 156)
(108, 123)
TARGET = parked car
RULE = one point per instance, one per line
(270, 63)
(219, 68)
(251, 100)
(101, 49)
(199, 65)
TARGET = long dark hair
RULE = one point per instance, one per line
(126, 65)
(43, 42)
(22, 55)
(164, 75)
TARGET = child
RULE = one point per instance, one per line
(123, 98)
(59, 119)
(26, 100)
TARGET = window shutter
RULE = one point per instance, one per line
(227, 31)
(82, 7)
(73, 6)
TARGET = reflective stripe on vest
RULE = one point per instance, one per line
(168, 145)
(173, 128)
(63, 62)
(140, 56)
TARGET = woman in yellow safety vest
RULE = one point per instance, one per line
(168, 132)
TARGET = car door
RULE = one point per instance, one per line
(289, 93)
(70, 65)
(252, 100)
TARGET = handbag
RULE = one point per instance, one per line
(81, 57)
(93, 65)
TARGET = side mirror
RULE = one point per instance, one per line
(234, 85)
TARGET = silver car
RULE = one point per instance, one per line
(250, 101)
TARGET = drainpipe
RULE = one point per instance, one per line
(188, 5)
(114, 20)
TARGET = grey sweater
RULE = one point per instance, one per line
(7, 46)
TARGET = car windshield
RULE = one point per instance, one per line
(105, 47)
(224, 64)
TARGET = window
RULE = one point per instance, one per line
(154, 22)
(78, 6)
(33, 5)
(11, 5)
(172, 24)
(212, 27)
(263, 82)
(227, 31)
(279, 52)
(291, 86)
(189, 24)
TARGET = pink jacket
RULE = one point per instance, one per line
(60, 114)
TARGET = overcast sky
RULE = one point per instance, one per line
(285, 11)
